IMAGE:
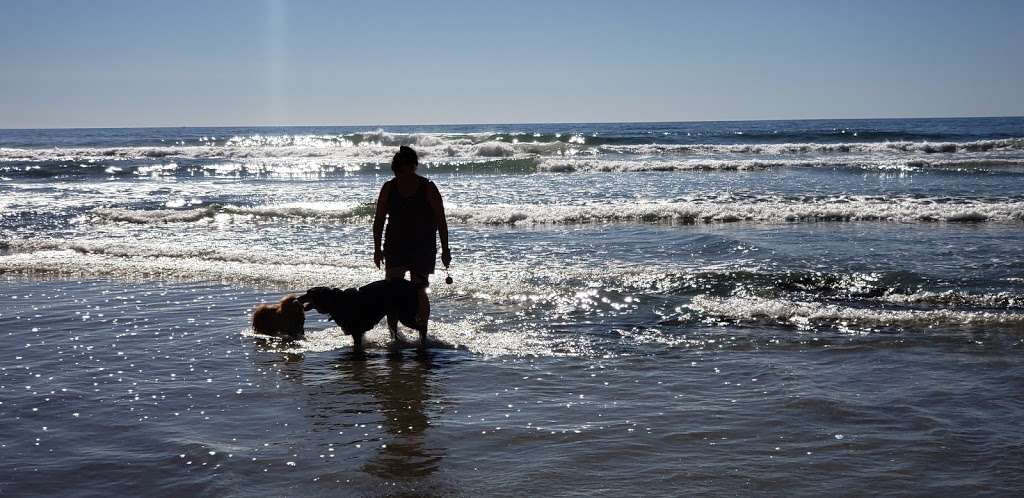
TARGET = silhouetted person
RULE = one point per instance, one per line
(414, 211)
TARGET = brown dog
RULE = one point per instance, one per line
(284, 319)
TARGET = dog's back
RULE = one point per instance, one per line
(358, 310)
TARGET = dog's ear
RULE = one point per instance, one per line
(291, 304)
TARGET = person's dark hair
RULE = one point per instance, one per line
(404, 158)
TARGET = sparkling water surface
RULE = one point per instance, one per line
(799, 307)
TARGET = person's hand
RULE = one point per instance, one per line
(446, 257)
(378, 257)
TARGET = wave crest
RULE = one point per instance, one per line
(378, 147)
(765, 210)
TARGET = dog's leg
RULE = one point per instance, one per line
(357, 343)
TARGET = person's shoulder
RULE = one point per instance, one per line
(428, 182)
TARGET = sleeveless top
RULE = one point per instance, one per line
(410, 239)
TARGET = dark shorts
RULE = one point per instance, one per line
(398, 273)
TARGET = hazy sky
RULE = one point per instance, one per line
(153, 63)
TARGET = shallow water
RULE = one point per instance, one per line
(673, 308)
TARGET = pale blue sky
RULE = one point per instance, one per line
(186, 63)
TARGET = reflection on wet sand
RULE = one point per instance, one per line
(377, 401)
(399, 386)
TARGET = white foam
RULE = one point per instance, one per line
(819, 148)
(957, 298)
(134, 248)
(623, 165)
(710, 163)
(321, 210)
(765, 210)
(757, 210)
(494, 149)
(465, 335)
(564, 288)
(310, 152)
(806, 315)
(140, 268)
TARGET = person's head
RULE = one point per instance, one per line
(405, 160)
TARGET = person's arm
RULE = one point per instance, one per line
(378, 224)
(437, 205)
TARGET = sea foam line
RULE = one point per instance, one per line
(805, 314)
(515, 163)
(588, 165)
(816, 147)
(447, 147)
(758, 210)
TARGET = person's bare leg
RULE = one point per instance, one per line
(393, 328)
(423, 316)
(423, 337)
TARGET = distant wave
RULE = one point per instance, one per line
(755, 210)
(815, 147)
(568, 165)
(760, 211)
(289, 168)
(441, 148)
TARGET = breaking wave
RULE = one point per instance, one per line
(569, 165)
(757, 210)
(775, 149)
(432, 148)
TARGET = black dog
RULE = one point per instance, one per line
(359, 310)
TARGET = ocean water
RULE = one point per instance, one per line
(722, 308)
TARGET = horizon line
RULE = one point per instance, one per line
(379, 125)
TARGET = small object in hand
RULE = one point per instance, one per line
(448, 279)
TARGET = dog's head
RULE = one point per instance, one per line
(291, 309)
(325, 299)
